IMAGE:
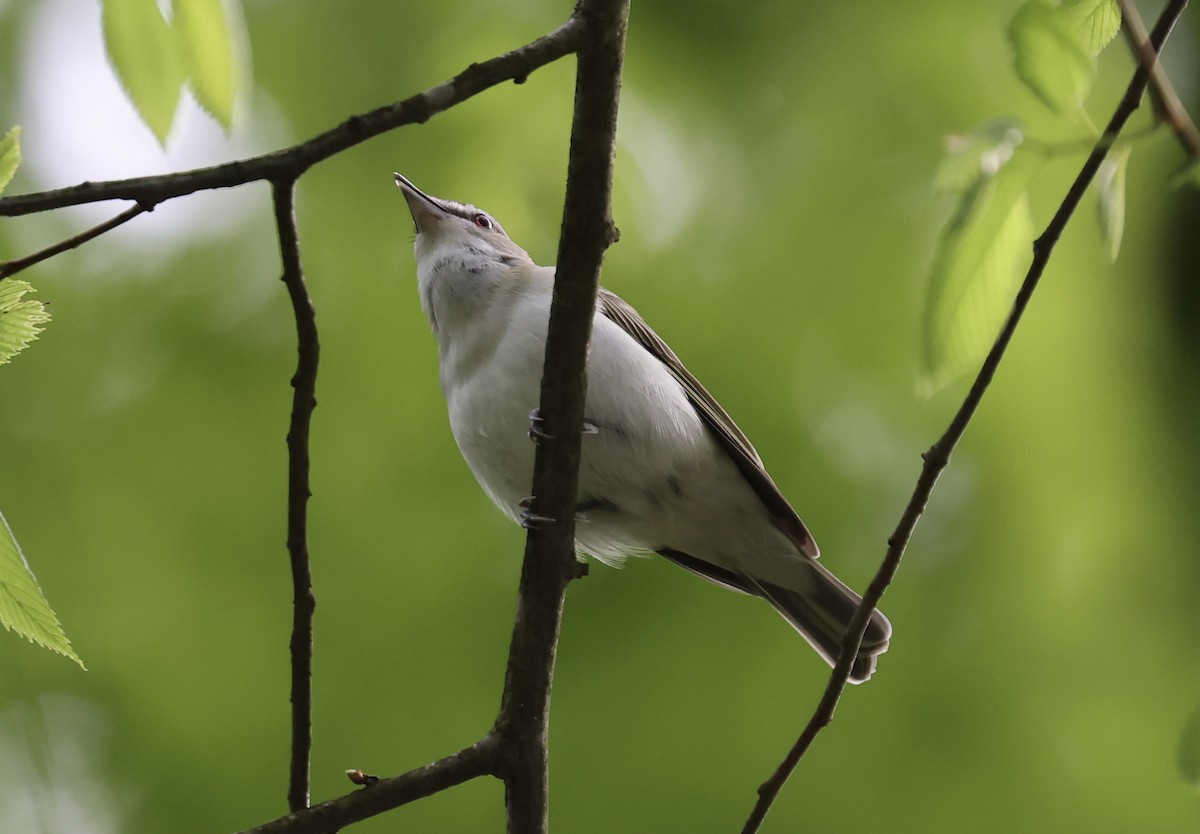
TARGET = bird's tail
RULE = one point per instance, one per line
(822, 613)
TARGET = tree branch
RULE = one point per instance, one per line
(293, 161)
(938, 456)
(1167, 105)
(9, 268)
(304, 400)
(549, 564)
(387, 794)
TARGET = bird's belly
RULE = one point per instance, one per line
(489, 416)
(647, 439)
(651, 475)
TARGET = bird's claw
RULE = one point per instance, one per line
(538, 434)
(532, 521)
(528, 518)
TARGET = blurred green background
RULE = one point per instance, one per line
(774, 196)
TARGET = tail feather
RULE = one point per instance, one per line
(822, 615)
(821, 612)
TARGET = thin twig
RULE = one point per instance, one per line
(387, 794)
(9, 268)
(938, 456)
(304, 400)
(516, 65)
(1167, 105)
(549, 564)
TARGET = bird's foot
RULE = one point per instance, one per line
(538, 434)
(531, 520)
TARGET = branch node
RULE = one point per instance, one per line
(363, 780)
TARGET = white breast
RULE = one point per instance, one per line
(652, 474)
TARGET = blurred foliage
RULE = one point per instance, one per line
(981, 258)
(983, 254)
(1051, 56)
(774, 196)
(10, 156)
(154, 56)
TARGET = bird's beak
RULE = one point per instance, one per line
(425, 210)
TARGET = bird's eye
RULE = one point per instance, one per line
(483, 222)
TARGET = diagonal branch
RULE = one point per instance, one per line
(387, 794)
(938, 456)
(10, 268)
(304, 400)
(587, 232)
(1167, 105)
(291, 162)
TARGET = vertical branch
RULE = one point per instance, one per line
(938, 456)
(303, 402)
(549, 563)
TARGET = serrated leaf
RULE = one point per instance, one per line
(1050, 57)
(204, 32)
(19, 318)
(23, 607)
(980, 258)
(10, 156)
(1095, 22)
(145, 53)
(1110, 191)
(1189, 750)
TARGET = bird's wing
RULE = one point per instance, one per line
(731, 438)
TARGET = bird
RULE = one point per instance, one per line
(664, 469)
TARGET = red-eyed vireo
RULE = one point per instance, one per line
(664, 468)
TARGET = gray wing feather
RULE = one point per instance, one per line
(731, 438)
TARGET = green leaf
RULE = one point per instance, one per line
(1189, 750)
(10, 156)
(23, 608)
(145, 53)
(208, 49)
(981, 153)
(1095, 22)
(980, 258)
(1050, 57)
(1189, 175)
(1110, 185)
(19, 319)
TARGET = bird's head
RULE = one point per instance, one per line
(446, 229)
